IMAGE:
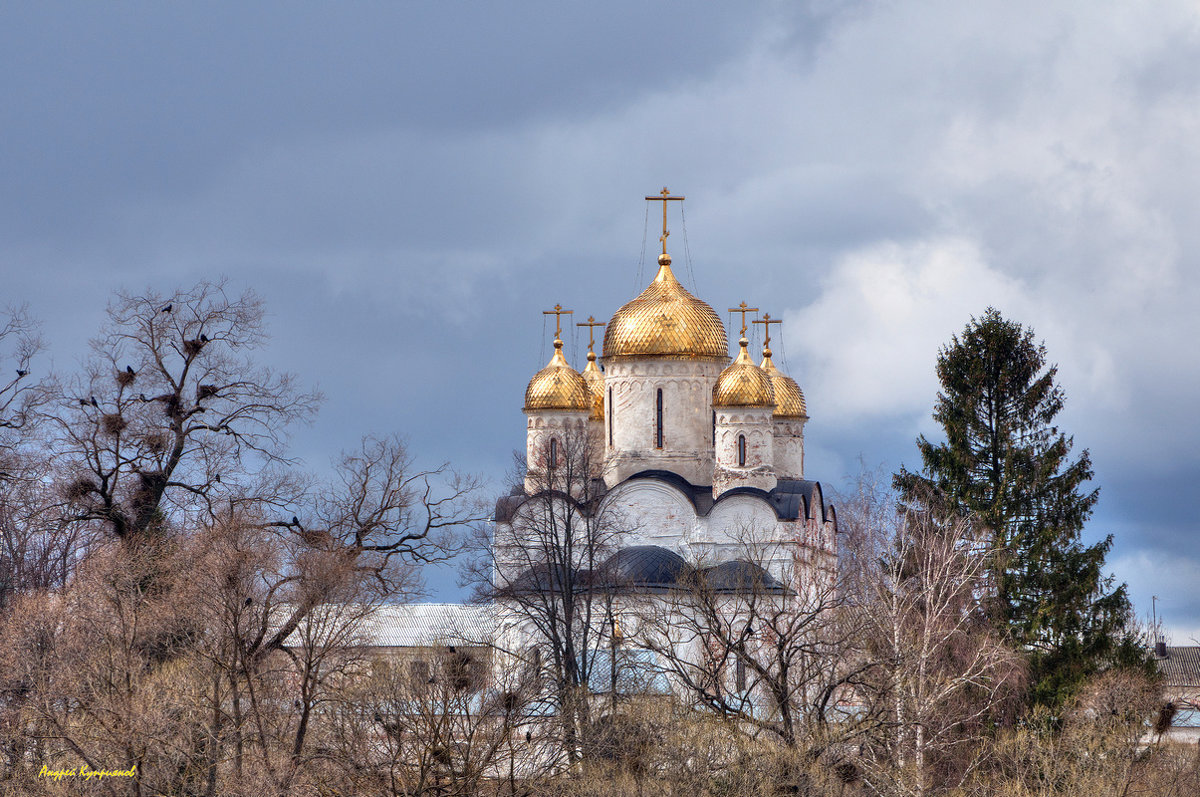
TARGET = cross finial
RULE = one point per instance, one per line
(591, 324)
(664, 196)
(766, 321)
(558, 313)
(743, 309)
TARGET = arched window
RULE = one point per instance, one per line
(553, 452)
(742, 450)
(611, 410)
(658, 432)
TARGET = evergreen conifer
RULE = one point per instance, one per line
(1007, 465)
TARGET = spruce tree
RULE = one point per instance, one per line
(1006, 464)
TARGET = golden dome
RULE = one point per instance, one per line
(665, 321)
(558, 386)
(743, 384)
(595, 384)
(789, 398)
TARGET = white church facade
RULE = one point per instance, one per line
(697, 454)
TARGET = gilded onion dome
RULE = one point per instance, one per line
(665, 321)
(595, 385)
(789, 398)
(558, 386)
(743, 384)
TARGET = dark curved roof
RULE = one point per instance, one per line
(506, 506)
(540, 578)
(791, 499)
(739, 576)
(646, 565)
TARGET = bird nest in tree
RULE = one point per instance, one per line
(80, 488)
(113, 423)
(156, 443)
(125, 378)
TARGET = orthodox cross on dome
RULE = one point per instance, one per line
(591, 324)
(558, 312)
(766, 321)
(664, 196)
(743, 309)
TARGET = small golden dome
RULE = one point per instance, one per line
(743, 384)
(789, 398)
(595, 385)
(558, 386)
(666, 321)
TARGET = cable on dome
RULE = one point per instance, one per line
(687, 252)
(574, 346)
(642, 258)
(787, 369)
(542, 356)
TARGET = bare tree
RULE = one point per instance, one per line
(539, 566)
(436, 720)
(192, 628)
(942, 673)
(1103, 744)
(19, 389)
(35, 545)
(778, 657)
(172, 415)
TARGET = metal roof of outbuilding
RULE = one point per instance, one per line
(1181, 667)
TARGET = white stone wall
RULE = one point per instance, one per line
(687, 417)
(753, 423)
(568, 426)
(649, 512)
(789, 448)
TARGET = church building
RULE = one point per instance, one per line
(664, 471)
(700, 456)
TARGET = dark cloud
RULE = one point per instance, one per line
(409, 184)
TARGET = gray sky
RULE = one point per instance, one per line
(409, 184)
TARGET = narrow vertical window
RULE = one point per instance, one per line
(658, 432)
(554, 452)
(714, 427)
(611, 410)
(742, 450)
(740, 676)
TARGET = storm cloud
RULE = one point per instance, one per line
(410, 185)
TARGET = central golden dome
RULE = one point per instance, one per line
(666, 321)
(743, 384)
